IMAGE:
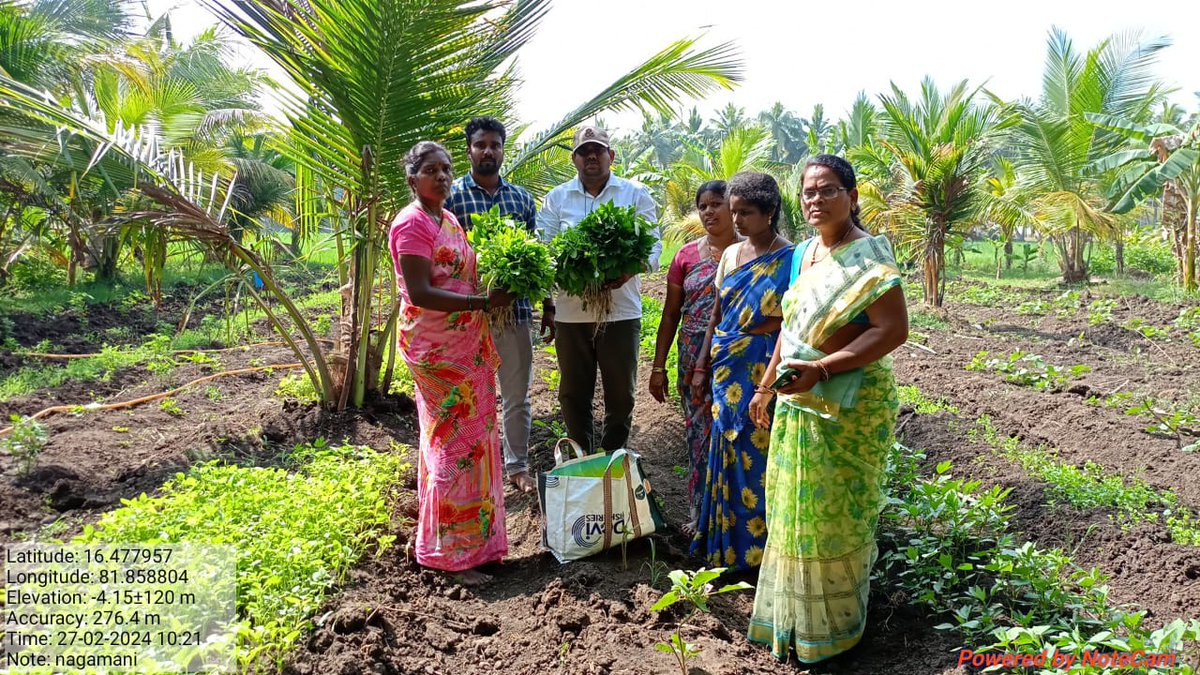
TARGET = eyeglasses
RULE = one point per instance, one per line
(827, 192)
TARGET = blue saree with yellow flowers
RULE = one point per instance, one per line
(732, 529)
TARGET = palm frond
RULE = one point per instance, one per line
(383, 74)
(676, 72)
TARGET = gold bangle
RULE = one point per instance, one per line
(763, 389)
(824, 371)
(657, 369)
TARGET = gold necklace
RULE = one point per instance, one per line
(829, 249)
(713, 251)
(770, 247)
(437, 217)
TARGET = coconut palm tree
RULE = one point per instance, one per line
(726, 120)
(787, 133)
(860, 128)
(376, 76)
(368, 78)
(659, 138)
(46, 43)
(743, 149)
(49, 44)
(820, 135)
(1004, 205)
(923, 171)
(1057, 147)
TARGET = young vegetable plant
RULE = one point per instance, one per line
(694, 588)
(1029, 370)
(25, 443)
(1179, 423)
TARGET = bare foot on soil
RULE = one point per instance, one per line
(523, 481)
(471, 578)
(689, 529)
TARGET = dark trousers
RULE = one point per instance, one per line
(615, 350)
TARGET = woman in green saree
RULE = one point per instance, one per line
(842, 315)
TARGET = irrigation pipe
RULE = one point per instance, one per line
(97, 407)
(64, 357)
(923, 348)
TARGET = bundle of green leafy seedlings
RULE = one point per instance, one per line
(606, 245)
(511, 259)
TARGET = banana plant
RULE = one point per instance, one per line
(1159, 160)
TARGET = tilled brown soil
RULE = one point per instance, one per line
(1147, 570)
(589, 616)
(593, 616)
(1120, 361)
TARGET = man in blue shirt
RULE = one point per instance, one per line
(477, 192)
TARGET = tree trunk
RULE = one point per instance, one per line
(1071, 255)
(1119, 250)
(106, 260)
(1008, 252)
(934, 262)
(1189, 252)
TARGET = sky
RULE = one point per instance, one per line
(802, 53)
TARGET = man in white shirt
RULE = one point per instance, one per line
(582, 346)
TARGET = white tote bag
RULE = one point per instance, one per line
(594, 502)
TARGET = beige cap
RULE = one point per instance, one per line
(590, 134)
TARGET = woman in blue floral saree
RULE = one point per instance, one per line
(751, 280)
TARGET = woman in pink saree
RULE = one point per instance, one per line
(445, 340)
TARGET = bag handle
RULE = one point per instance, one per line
(558, 456)
(623, 457)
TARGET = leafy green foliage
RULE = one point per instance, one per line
(988, 296)
(1029, 370)
(945, 545)
(1100, 311)
(694, 588)
(510, 258)
(154, 354)
(297, 387)
(922, 318)
(25, 442)
(1093, 486)
(296, 534)
(1145, 329)
(610, 242)
(1189, 320)
(651, 317)
(402, 381)
(1150, 257)
(1034, 308)
(1063, 306)
(923, 405)
(1172, 422)
(171, 407)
